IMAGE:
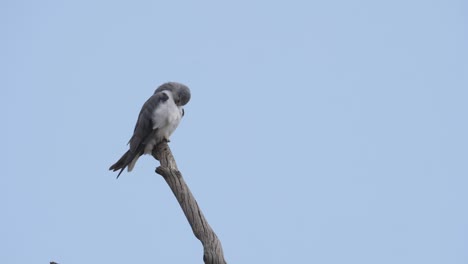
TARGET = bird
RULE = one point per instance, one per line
(159, 117)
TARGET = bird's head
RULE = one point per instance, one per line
(180, 92)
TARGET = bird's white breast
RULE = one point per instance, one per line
(166, 117)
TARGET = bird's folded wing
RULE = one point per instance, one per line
(144, 126)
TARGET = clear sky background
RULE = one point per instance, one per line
(318, 131)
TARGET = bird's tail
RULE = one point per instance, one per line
(130, 157)
(124, 161)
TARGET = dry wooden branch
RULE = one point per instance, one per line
(212, 249)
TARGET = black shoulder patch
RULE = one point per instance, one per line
(163, 97)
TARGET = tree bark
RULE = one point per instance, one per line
(212, 249)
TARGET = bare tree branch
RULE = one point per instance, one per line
(213, 251)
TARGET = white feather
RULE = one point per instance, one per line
(166, 117)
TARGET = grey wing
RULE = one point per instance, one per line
(142, 133)
(144, 126)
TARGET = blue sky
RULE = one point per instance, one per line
(317, 132)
